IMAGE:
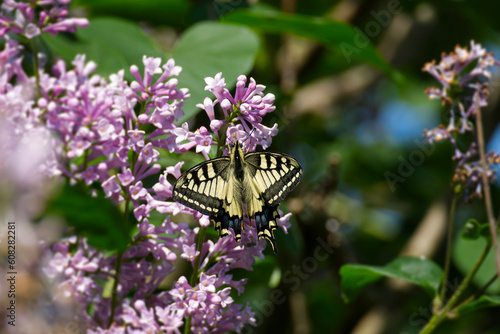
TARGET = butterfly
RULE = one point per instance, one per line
(223, 188)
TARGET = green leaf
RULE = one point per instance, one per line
(158, 12)
(482, 302)
(63, 47)
(208, 48)
(339, 36)
(465, 254)
(95, 218)
(419, 271)
(112, 43)
(124, 36)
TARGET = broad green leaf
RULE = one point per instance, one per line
(124, 36)
(465, 254)
(482, 302)
(112, 43)
(95, 218)
(208, 48)
(419, 271)
(64, 47)
(339, 36)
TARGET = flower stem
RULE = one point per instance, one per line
(187, 328)
(199, 245)
(486, 187)
(451, 219)
(36, 70)
(118, 267)
(221, 140)
(478, 292)
(194, 275)
(438, 317)
(114, 296)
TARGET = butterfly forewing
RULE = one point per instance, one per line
(203, 187)
(276, 174)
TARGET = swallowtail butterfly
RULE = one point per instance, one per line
(224, 187)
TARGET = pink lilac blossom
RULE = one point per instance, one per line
(33, 17)
(247, 106)
(26, 145)
(463, 76)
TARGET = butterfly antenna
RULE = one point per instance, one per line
(249, 136)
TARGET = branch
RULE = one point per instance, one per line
(486, 187)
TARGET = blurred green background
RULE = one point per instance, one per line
(351, 107)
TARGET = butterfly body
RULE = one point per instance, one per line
(225, 188)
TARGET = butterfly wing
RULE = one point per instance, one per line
(273, 176)
(204, 187)
(211, 189)
(230, 214)
(276, 174)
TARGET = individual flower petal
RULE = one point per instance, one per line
(137, 191)
(126, 177)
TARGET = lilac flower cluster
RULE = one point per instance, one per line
(110, 133)
(248, 106)
(97, 121)
(463, 76)
(31, 18)
(207, 302)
